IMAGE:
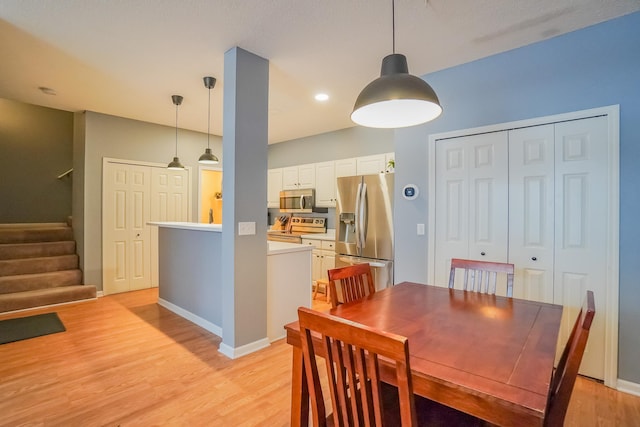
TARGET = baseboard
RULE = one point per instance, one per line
(99, 294)
(234, 353)
(203, 323)
(628, 387)
(41, 307)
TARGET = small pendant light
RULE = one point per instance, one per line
(208, 158)
(175, 163)
(396, 98)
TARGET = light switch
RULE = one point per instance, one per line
(420, 229)
(246, 228)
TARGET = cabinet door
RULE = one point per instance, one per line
(370, 164)
(316, 265)
(290, 178)
(307, 176)
(471, 201)
(274, 185)
(325, 184)
(346, 167)
(328, 263)
(531, 210)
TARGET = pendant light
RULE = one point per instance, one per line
(175, 163)
(396, 98)
(208, 158)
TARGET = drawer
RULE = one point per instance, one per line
(329, 245)
(312, 242)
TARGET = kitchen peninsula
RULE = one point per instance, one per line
(190, 281)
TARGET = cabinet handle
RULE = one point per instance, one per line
(534, 258)
(482, 253)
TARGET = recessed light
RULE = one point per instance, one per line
(321, 97)
(47, 90)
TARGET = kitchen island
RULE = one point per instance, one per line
(190, 278)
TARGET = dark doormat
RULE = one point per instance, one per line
(29, 327)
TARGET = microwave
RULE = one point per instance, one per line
(299, 201)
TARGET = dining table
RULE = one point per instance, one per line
(486, 355)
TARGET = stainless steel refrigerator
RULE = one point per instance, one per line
(364, 224)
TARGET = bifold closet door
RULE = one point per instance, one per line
(471, 201)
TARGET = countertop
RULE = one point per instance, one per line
(276, 248)
(329, 235)
(216, 228)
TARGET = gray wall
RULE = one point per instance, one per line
(102, 136)
(35, 147)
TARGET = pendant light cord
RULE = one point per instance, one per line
(209, 119)
(176, 130)
(393, 24)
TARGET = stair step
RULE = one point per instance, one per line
(33, 225)
(36, 250)
(12, 267)
(49, 296)
(35, 234)
(31, 282)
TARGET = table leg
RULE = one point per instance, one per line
(299, 391)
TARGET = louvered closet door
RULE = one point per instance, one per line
(471, 201)
(581, 199)
(531, 211)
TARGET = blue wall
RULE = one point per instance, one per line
(593, 67)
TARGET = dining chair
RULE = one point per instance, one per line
(352, 351)
(356, 282)
(564, 377)
(481, 276)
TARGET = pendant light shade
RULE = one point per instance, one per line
(396, 98)
(175, 163)
(208, 158)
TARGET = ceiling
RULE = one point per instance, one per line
(126, 58)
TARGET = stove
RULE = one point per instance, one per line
(296, 227)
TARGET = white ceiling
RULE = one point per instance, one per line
(126, 58)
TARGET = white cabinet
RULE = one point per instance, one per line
(323, 257)
(368, 165)
(346, 167)
(274, 185)
(325, 184)
(303, 176)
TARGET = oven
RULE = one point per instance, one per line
(295, 227)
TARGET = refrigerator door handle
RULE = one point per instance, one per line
(357, 218)
(364, 216)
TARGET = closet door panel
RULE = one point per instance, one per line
(531, 211)
(581, 191)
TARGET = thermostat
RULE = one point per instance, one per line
(410, 191)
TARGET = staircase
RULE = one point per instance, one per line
(39, 267)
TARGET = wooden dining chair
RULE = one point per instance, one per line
(351, 351)
(481, 276)
(564, 377)
(356, 282)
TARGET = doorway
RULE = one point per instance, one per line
(210, 195)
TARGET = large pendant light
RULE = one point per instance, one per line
(396, 98)
(175, 163)
(208, 158)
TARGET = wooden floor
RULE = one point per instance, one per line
(125, 361)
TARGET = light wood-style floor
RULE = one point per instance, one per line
(125, 361)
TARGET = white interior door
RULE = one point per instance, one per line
(126, 235)
(471, 205)
(581, 200)
(169, 202)
(531, 211)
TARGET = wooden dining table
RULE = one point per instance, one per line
(486, 355)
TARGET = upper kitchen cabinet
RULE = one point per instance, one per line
(274, 186)
(371, 164)
(303, 176)
(326, 184)
(346, 167)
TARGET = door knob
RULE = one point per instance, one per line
(534, 258)
(482, 253)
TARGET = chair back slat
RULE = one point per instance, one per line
(356, 282)
(352, 363)
(566, 372)
(481, 276)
